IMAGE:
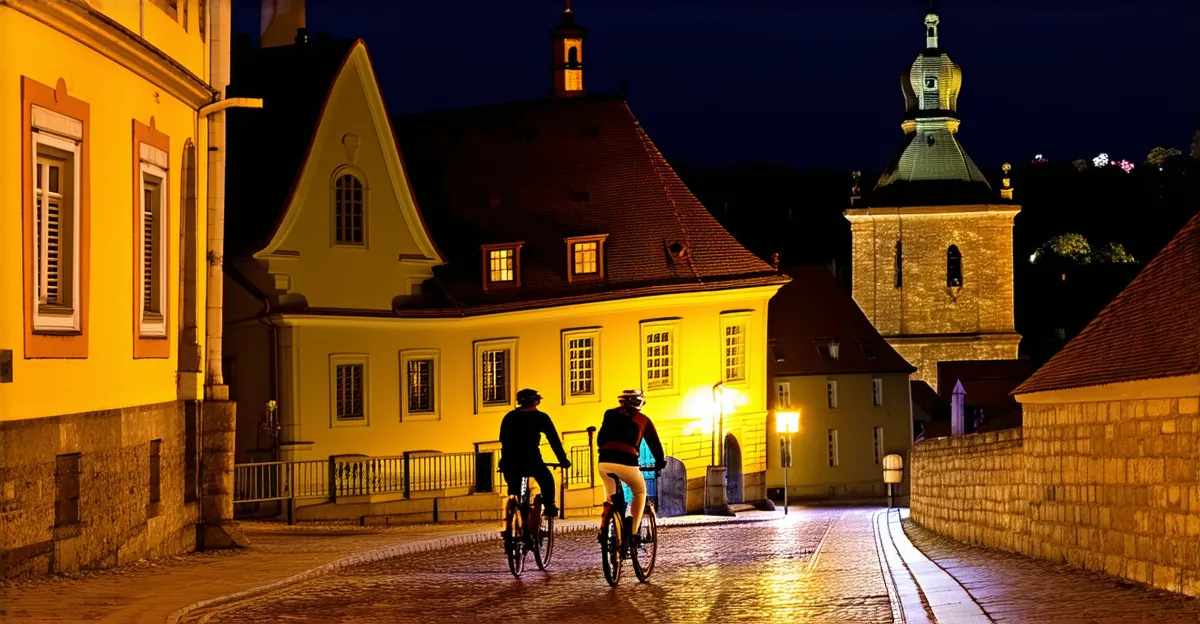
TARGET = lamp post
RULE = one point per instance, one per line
(893, 472)
(786, 423)
(718, 393)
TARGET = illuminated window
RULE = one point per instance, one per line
(833, 448)
(152, 245)
(419, 370)
(877, 392)
(831, 393)
(585, 257)
(954, 277)
(56, 235)
(348, 202)
(495, 374)
(930, 83)
(878, 445)
(502, 265)
(899, 265)
(734, 346)
(580, 365)
(783, 395)
(659, 355)
(349, 390)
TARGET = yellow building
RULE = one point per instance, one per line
(932, 256)
(393, 295)
(850, 388)
(103, 188)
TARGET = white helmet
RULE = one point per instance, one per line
(632, 398)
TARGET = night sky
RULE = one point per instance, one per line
(806, 83)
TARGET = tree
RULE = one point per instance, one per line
(1196, 146)
(1113, 252)
(1072, 248)
(1080, 164)
(1159, 155)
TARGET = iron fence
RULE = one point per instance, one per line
(272, 481)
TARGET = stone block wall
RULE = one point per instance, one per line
(1110, 486)
(117, 522)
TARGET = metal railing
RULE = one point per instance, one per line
(272, 481)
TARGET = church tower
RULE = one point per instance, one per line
(932, 259)
(566, 54)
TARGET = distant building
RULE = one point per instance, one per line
(932, 257)
(987, 387)
(850, 387)
(397, 280)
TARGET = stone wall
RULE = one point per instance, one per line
(1111, 486)
(117, 521)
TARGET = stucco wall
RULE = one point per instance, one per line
(1110, 486)
(117, 524)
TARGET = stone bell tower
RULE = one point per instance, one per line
(932, 258)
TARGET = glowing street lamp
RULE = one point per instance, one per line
(893, 472)
(786, 423)
(718, 393)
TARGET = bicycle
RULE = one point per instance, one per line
(615, 524)
(527, 531)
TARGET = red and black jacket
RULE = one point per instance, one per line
(621, 436)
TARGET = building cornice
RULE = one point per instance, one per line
(1008, 210)
(100, 33)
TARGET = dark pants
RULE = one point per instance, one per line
(541, 474)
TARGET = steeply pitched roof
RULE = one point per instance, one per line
(540, 171)
(267, 147)
(987, 382)
(813, 311)
(1151, 330)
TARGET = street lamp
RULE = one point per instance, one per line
(786, 423)
(893, 472)
(718, 393)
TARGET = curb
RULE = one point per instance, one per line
(437, 543)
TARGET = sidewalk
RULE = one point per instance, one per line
(152, 591)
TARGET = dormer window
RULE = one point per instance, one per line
(585, 257)
(501, 265)
(828, 350)
(930, 83)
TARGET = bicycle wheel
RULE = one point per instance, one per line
(514, 540)
(543, 545)
(644, 555)
(610, 548)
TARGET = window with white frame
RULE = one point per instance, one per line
(733, 346)
(833, 448)
(877, 391)
(56, 195)
(349, 389)
(878, 445)
(421, 384)
(348, 202)
(501, 265)
(659, 355)
(585, 257)
(783, 395)
(831, 393)
(581, 362)
(153, 284)
(495, 373)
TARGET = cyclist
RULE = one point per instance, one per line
(620, 441)
(520, 453)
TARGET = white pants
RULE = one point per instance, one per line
(632, 477)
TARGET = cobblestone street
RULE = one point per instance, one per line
(818, 565)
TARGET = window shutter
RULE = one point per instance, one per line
(149, 300)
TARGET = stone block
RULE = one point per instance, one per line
(1189, 405)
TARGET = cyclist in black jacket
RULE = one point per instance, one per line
(520, 447)
(620, 441)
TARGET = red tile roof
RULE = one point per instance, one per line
(540, 171)
(1151, 330)
(812, 311)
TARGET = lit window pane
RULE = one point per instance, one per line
(500, 265)
(587, 258)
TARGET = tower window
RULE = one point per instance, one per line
(954, 276)
(348, 201)
(573, 57)
(899, 265)
(930, 82)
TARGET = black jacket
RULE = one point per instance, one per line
(521, 438)
(621, 435)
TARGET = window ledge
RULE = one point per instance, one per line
(419, 416)
(350, 422)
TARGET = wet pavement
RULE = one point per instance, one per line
(817, 565)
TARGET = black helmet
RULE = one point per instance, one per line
(527, 397)
(632, 398)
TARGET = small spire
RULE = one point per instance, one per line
(566, 6)
(855, 191)
(1006, 192)
(931, 28)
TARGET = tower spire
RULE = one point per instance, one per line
(567, 5)
(566, 55)
(931, 28)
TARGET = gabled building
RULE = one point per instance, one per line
(850, 387)
(393, 295)
(932, 246)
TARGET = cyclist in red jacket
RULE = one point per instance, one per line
(620, 441)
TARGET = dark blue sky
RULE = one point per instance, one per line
(802, 82)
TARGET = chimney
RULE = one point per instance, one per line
(282, 22)
(957, 406)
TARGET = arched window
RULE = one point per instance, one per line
(573, 57)
(348, 210)
(899, 265)
(954, 276)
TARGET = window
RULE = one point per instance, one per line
(877, 392)
(733, 346)
(954, 277)
(573, 57)
(829, 350)
(783, 395)
(150, 243)
(930, 83)
(899, 265)
(155, 472)
(349, 390)
(585, 257)
(833, 448)
(831, 393)
(66, 490)
(349, 198)
(495, 373)
(659, 355)
(878, 445)
(56, 235)
(581, 360)
(502, 265)
(421, 384)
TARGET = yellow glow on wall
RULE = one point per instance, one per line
(698, 403)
